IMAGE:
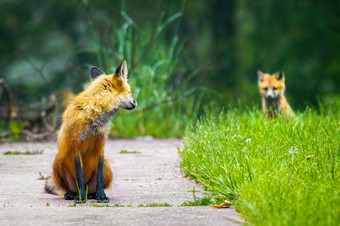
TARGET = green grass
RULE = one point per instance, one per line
(167, 99)
(128, 152)
(276, 172)
(205, 201)
(198, 201)
(92, 204)
(7, 204)
(23, 153)
(155, 205)
(164, 108)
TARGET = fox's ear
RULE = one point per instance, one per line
(260, 75)
(279, 75)
(95, 72)
(122, 70)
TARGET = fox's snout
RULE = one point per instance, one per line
(270, 94)
(129, 104)
(133, 104)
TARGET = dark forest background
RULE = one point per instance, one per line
(190, 56)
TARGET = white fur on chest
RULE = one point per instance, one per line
(100, 125)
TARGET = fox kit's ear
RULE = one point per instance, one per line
(122, 70)
(279, 75)
(95, 72)
(260, 75)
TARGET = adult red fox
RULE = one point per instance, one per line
(272, 89)
(80, 166)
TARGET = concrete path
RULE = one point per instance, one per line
(150, 175)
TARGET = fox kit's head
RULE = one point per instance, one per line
(271, 86)
(116, 85)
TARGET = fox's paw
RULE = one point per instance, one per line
(80, 199)
(91, 196)
(102, 198)
(77, 200)
(70, 195)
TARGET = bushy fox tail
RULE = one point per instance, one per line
(51, 188)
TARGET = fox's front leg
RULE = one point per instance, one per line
(81, 193)
(100, 194)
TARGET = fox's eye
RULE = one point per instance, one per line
(274, 88)
(266, 88)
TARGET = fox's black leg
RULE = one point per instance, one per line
(100, 194)
(80, 181)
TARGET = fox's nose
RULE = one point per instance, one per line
(134, 103)
(270, 96)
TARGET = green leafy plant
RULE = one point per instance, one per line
(42, 177)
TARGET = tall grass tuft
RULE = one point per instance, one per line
(276, 172)
(166, 101)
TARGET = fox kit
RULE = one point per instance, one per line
(272, 89)
(80, 166)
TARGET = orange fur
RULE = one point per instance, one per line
(84, 131)
(272, 89)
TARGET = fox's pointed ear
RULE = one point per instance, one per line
(260, 75)
(279, 75)
(95, 72)
(122, 70)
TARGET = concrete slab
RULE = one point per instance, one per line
(151, 175)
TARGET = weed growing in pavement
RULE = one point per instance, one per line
(42, 177)
(24, 153)
(155, 205)
(128, 152)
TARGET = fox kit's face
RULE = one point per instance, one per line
(119, 85)
(271, 86)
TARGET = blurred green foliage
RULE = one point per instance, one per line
(13, 129)
(185, 58)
